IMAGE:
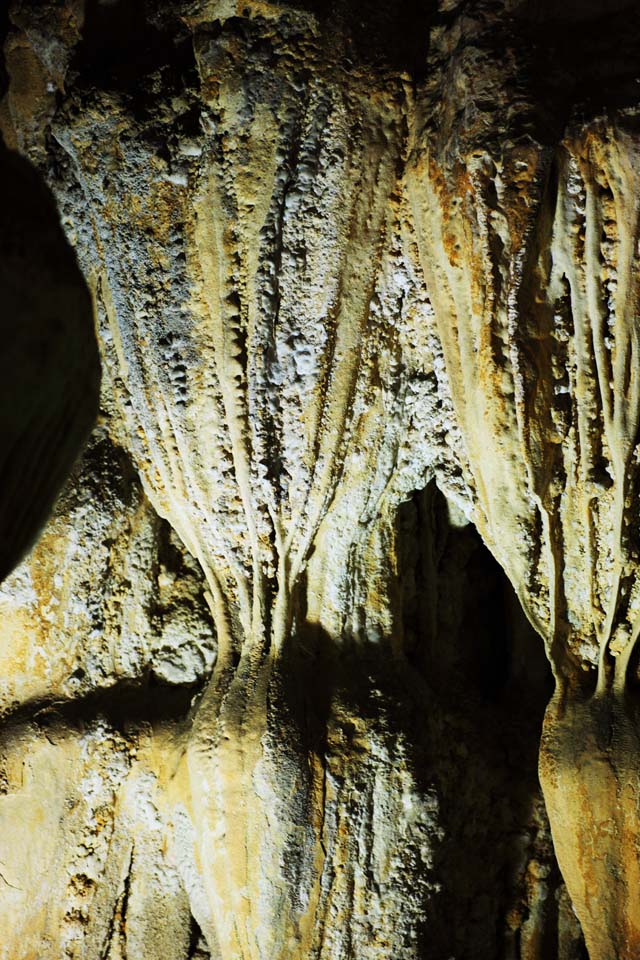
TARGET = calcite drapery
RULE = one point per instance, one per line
(236, 193)
(323, 750)
(537, 276)
(257, 317)
(529, 250)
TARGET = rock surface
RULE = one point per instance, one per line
(526, 206)
(363, 281)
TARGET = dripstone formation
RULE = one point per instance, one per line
(353, 547)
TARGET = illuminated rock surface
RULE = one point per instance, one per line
(527, 223)
(363, 282)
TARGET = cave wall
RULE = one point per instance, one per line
(361, 497)
(101, 667)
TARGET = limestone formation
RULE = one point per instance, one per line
(529, 250)
(364, 280)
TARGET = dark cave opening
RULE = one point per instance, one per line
(486, 669)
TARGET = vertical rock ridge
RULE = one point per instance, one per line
(527, 241)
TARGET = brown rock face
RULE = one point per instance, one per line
(282, 701)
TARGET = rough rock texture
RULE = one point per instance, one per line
(106, 636)
(338, 255)
(108, 598)
(525, 199)
(91, 748)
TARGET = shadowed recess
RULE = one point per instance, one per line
(489, 683)
(49, 362)
(123, 42)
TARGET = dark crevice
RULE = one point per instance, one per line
(195, 939)
(588, 62)
(5, 26)
(378, 33)
(124, 704)
(124, 899)
(139, 52)
(489, 684)
(121, 44)
(50, 373)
